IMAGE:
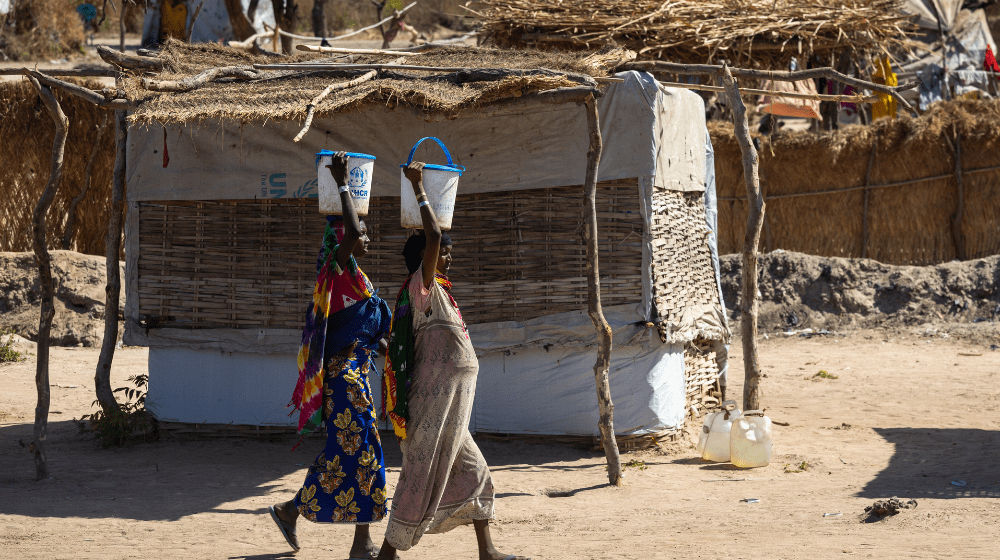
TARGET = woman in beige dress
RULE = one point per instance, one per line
(429, 387)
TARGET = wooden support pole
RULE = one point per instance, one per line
(121, 26)
(751, 240)
(42, 257)
(112, 247)
(606, 419)
(868, 189)
(956, 223)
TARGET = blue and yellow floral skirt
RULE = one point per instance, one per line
(346, 482)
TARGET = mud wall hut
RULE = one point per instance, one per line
(223, 228)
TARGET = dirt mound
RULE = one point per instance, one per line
(79, 297)
(892, 506)
(803, 291)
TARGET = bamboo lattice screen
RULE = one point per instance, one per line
(252, 264)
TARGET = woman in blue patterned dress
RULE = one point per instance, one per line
(345, 325)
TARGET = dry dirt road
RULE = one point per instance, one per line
(906, 416)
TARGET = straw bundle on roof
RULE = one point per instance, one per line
(763, 33)
(814, 187)
(26, 134)
(285, 94)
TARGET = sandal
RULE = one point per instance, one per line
(287, 531)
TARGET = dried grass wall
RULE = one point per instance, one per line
(910, 224)
(26, 135)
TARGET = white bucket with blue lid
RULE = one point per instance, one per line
(441, 186)
(359, 180)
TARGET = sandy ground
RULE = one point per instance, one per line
(906, 417)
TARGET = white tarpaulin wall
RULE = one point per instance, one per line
(536, 376)
(647, 132)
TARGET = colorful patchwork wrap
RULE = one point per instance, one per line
(400, 357)
(346, 482)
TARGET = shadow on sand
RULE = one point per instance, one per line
(173, 478)
(927, 460)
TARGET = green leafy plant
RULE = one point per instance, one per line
(7, 351)
(130, 420)
(826, 375)
(801, 467)
(636, 464)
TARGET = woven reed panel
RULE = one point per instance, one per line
(701, 370)
(252, 264)
(683, 274)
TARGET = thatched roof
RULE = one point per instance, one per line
(754, 33)
(285, 94)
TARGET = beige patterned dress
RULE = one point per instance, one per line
(445, 481)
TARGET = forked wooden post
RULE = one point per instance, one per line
(112, 247)
(751, 240)
(606, 407)
(40, 246)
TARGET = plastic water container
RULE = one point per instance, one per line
(713, 444)
(441, 186)
(359, 180)
(750, 440)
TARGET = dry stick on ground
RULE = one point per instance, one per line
(603, 364)
(48, 310)
(311, 108)
(194, 18)
(201, 79)
(785, 76)
(751, 240)
(112, 244)
(71, 213)
(864, 213)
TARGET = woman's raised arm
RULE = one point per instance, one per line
(352, 226)
(415, 173)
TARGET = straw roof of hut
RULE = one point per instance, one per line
(760, 33)
(487, 75)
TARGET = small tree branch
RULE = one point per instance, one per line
(129, 61)
(203, 78)
(40, 246)
(194, 18)
(606, 407)
(79, 91)
(784, 76)
(71, 213)
(112, 247)
(755, 219)
(311, 108)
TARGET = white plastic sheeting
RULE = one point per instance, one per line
(647, 132)
(528, 390)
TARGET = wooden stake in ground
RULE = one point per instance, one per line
(751, 240)
(40, 247)
(607, 408)
(112, 245)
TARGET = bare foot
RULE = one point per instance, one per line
(363, 547)
(388, 552)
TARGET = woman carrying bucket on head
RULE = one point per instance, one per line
(428, 389)
(345, 325)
